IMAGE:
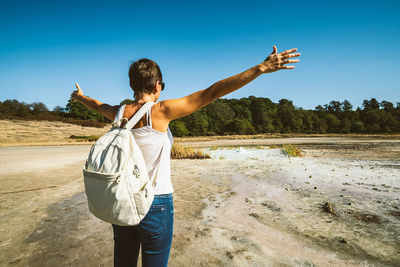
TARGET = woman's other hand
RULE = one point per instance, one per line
(76, 94)
(276, 61)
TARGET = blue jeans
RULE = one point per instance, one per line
(154, 233)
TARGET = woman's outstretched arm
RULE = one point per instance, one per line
(105, 109)
(176, 108)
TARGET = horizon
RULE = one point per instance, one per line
(324, 105)
(348, 50)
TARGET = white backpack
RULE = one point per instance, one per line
(116, 179)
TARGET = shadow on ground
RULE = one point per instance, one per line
(71, 236)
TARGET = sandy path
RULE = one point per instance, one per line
(257, 212)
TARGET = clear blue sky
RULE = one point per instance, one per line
(350, 49)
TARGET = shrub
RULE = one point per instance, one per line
(178, 128)
(181, 152)
(291, 151)
(85, 137)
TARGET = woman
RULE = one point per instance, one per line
(154, 233)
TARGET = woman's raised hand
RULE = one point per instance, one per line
(276, 61)
(77, 93)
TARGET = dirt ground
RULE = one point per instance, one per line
(245, 207)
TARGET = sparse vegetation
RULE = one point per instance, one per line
(329, 208)
(85, 137)
(187, 152)
(291, 151)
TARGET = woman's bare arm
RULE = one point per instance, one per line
(176, 108)
(105, 109)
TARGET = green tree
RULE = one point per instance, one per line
(371, 120)
(218, 113)
(38, 107)
(15, 108)
(387, 106)
(288, 116)
(240, 126)
(262, 110)
(196, 123)
(357, 127)
(126, 101)
(334, 107)
(347, 106)
(345, 125)
(333, 123)
(178, 128)
(371, 104)
(76, 110)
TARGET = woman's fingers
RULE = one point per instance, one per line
(290, 61)
(275, 50)
(288, 51)
(79, 90)
(290, 55)
(286, 67)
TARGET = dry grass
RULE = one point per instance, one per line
(181, 152)
(291, 151)
(89, 138)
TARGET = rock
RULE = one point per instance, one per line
(271, 205)
(255, 215)
(394, 213)
(368, 218)
(342, 240)
(229, 254)
(212, 198)
(315, 187)
(310, 176)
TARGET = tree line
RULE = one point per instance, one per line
(247, 115)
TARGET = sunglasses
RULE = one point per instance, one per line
(162, 85)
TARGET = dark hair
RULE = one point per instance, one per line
(143, 74)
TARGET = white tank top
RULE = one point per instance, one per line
(151, 141)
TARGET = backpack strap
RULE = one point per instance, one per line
(118, 117)
(138, 115)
